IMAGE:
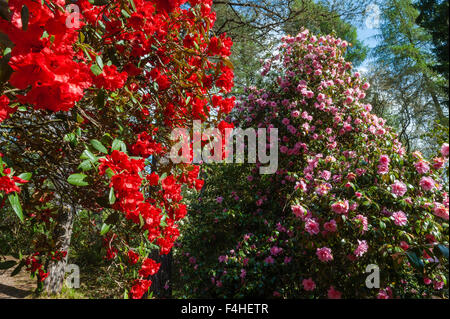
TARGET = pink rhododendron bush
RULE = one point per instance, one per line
(347, 202)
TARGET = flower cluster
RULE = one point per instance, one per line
(121, 73)
(346, 193)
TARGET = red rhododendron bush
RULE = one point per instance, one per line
(89, 95)
(347, 202)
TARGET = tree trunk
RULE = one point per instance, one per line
(63, 232)
(161, 282)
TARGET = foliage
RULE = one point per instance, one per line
(88, 103)
(255, 29)
(412, 94)
(346, 195)
(434, 18)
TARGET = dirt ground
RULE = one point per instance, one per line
(17, 287)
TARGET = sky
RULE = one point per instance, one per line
(367, 35)
(367, 32)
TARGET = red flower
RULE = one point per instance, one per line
(225, 81)
(140, 288)
(110, 79)
(168, 5)
(162, 80)
(133, 258)
(153, 178)
(8, 185)
(146, 146)
(180, 212)
(42, 275)
(149, 268)
(5, 110)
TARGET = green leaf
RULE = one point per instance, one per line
(109, 172)
(26, 176)
(71, 138)
(77, 180)
(119, 146)
(132, 4)
(105, 229)
(99, 146)
(15, 204)
(85, 165)
(96, 70)
(125, 14)
(7, 264)
(99, 61)
(112, 197)
(87, 155)
(80, 119)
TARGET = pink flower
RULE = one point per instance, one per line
(382, 294)
(324, 254)
(441, 211)
(219, 199)
(399, 218)
(385, 160)
(223, 259)
(308, 284)
(422, 167)
(326, 175)
(312, 227)
(438, 285)
(438, 163)
(275, 250)
(301, 185)
(361, 249)
(340, 207)
(363, 220)
(330, 226)
(427, 183)
(427, 281)
(334, 294)
(323, 189)
(383, 169)
(404, 245)
(444, 150)
(299, 211)
(398, 188)
(269, 260)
